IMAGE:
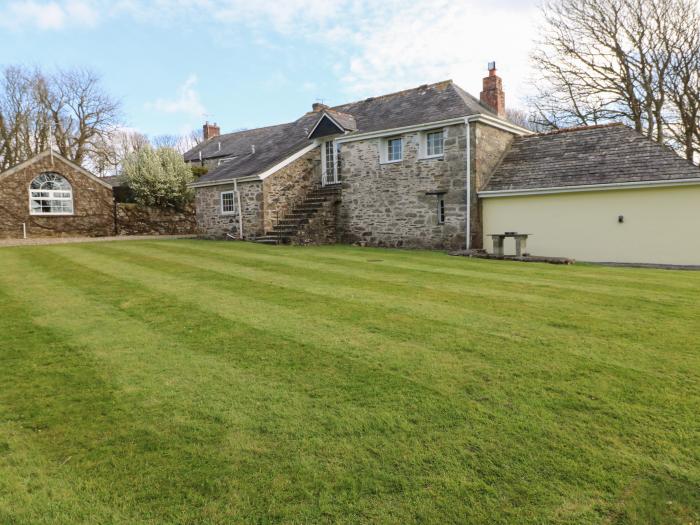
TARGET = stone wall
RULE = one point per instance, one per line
(390, 204)
(212, 223)
(322, 227)
(133, 219)
(489, 145)
(287, 188)
(393, 204)
(93, 212)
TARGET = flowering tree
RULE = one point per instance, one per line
(158, 177)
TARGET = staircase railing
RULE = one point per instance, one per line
(329, 177)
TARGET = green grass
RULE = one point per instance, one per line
(200, 382)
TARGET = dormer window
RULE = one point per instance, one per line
(333, 123)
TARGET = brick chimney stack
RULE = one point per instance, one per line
(210, 131)
(318, 106)
(493, 95)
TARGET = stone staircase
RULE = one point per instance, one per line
(292, 225)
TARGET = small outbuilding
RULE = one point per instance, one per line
(50, 196)
(599, 194)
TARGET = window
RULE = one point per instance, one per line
(330, 165)
(50, 194)
(228, 202)
(441, 209)
(329, 156)
(394, 150)
(434, 141)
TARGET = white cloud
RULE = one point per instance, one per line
(48, 15)
(186, 102)
(285, 17)
(81, 12)
(430, 41)
(378, 45)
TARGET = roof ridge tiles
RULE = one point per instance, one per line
(442, 83)
(575, 129)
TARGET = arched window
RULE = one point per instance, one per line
(50, 194)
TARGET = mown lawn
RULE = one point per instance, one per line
(200, 382)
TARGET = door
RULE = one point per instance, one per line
(329, 164)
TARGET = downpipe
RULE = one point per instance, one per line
(468, 192)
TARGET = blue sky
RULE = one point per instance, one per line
(174, 64)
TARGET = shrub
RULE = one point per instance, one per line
(158, 177)
(198, 171)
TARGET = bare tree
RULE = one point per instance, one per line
(523, 119)
(113, 148)
(180, 143)
(619, 60)
(68, 108)
(194, 138)
(82, 113)
(24, 126)
(166, 141)
(683, 83)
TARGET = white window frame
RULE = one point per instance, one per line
(424, 144)
(64, 195)
(233, 202)
(384, 150)
(324, 163)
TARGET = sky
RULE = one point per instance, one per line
(174, 64)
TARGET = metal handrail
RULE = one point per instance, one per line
(325, 177)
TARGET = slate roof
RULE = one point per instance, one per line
(586, 156)
(272, 145)
(344, 119)
(427, 103)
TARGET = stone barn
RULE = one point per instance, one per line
(50, 196)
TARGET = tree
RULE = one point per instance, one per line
(521, 118)
(68, 109)
(158, 177)
(113, 148)
(180, 143)
(633, 61)
(24, 125)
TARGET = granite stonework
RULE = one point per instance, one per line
(396, 204)
(322, 228)
(287, 188)
(93, 208)
(489, 145)
(133, 219)
(212, 223)
(381, 204)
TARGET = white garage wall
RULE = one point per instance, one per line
(661, 225)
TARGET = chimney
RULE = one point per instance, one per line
(493, 95)
(318, 107)
(210, 131)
